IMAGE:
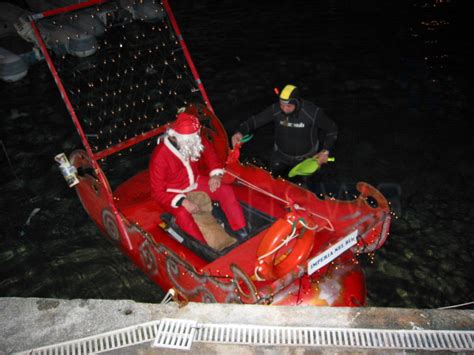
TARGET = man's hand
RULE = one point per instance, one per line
(190, 206)
(236, 138)
(322, 157)
(215, 182)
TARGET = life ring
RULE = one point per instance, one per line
(267, 267)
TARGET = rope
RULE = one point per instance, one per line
(457, 305)
(330, 228)
(289, 238)
(283, 243)
(267, 193)
(301, 220)
(170, 295)
(256, 188)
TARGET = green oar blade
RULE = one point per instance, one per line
(246, 138)
(306, 167)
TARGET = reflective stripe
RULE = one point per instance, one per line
(312, 152)
(286, 93)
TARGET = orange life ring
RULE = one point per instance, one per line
(267, 267)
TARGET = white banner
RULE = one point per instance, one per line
(332, 253)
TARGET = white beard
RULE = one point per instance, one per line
(190, 146)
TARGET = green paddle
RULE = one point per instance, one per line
(246, 138)
(307, 167)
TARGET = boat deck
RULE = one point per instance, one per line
(134, 201)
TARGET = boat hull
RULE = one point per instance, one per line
(228, 279)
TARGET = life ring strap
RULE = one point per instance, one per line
(279, 235)
(289, 238)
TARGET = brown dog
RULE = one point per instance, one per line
(214, 234)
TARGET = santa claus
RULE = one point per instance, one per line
(174, 172)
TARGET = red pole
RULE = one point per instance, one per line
(68, 8)
(128, 143)
(186, 54)
(61, 89)
(67, 102)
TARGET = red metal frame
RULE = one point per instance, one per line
(130, 142)
(68, 8)
(61, 89)
(84, 140)
(127, 143)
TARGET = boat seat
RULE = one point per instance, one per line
(200, 248)
(257, 222)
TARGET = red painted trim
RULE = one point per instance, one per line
(67, 102)
(70, 8)
(187, 54)
(128, 143)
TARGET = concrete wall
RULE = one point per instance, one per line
(28, 323)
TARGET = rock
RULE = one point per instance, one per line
(408, 254)
(401, 292)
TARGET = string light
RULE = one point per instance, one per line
(117, 67)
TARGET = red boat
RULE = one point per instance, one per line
(302, 250)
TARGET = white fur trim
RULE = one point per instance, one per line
(160, 138)
(173, 133)
(191, 177)
(216, 172)
(189, 188)
(175, 200)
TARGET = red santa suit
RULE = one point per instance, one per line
(172, 176)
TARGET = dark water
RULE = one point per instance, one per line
(396, 78)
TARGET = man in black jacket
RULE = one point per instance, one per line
(302, 130)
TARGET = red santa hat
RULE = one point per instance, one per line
(185, 124)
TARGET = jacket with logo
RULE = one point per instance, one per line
(299, 133)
